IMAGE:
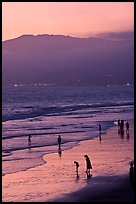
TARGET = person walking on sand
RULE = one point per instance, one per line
(77, 165)
(59, 141)
(88, 166)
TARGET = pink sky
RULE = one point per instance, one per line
(68, 18)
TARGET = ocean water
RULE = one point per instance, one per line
(44, 112)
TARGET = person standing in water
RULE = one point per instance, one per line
(59, 141)
(88, 166)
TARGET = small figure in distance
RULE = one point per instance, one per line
(131, 175)
(122, 129)
(127, 127)
(118, 123)
(59, 141)
(122, 124)
(29, 141)
(119, 127)
(77, 165)
(88, 166)
(100, 128)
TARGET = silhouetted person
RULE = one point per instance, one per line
(122, 124)
(131, 174)
(100, 128)
(121, 129)
(118, 123)
(59, 141)
(127, 127)
(88, 165)
(77, 165)
(29, 141)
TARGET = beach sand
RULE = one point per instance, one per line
(102, 193)
(56, 181)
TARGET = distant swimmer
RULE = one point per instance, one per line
(88, 166)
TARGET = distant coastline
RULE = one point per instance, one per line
(64, 60)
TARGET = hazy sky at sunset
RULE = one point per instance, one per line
(68, 18)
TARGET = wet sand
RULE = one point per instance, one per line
(116, 152)
(56, 181)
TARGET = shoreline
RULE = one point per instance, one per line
(61, 170)
(44, 149)
(23, 151)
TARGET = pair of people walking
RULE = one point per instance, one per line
(88, 166)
